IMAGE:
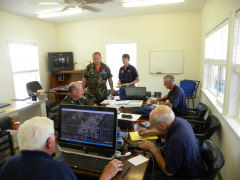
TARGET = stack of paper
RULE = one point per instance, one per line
(134, 103)
(135, 136)
(124, 102)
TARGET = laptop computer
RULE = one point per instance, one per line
(87, 134)
(135, 93)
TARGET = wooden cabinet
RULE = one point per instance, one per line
(59, 81)
(63, 78)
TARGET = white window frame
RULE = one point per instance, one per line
(24, 71)
(119, 58)
(233, 108)
(212, 60)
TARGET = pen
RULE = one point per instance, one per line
(143, 130)
(124, 159)
(126, 172)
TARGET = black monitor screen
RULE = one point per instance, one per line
(60, 61)
(87, 125)
(136, 93)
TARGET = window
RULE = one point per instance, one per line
(234, 105)
(114, 52)
(25, 67)
(216, 44)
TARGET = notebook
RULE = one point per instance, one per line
(87, 133)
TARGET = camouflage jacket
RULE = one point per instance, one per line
(82, 101)
(97, 80)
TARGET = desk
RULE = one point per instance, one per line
(136, 172)
(25, 109)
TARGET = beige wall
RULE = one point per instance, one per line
(14, 27)
(213, 13)
(162, 32)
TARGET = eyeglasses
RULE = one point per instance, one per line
(55, 133)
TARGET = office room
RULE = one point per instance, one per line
(159, 31)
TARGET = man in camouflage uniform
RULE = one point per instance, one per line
(75, 95)
(97, 74)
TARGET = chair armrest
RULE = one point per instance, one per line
(189, 117)
(192, 109)
(200, 135)
(192, 121)
(55, 108)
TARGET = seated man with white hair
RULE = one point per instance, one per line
(182, 154)
(36, 140)
(175, 96)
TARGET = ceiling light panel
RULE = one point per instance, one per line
(136, 3)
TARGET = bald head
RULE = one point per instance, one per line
(74, 86)
(162, 114)
(76, 90)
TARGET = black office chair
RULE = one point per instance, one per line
(213, 159)
(206, 128)
(190, 88)
(33, 87)
(197, 113)
(6, 147)
(5, 123)
(148, 94)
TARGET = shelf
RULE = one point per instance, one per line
(70, 72)
(62, 79)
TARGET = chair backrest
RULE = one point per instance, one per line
(5, 123)
(32, 87)
(6, 147)
(201, 111)
(210, 126)
(212, 157)
(189, 87)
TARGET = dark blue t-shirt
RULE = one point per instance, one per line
(177, 99)
(128, 75)
(182, 153)
(36, 165)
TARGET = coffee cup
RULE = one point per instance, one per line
(41, 95)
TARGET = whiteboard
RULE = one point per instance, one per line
(166, 62)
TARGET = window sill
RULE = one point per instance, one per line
(213, 100)
(232, 122)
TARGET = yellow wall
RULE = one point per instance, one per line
(14, 27)
(162, 32)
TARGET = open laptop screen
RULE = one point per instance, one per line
(136, 93)
(87, 127)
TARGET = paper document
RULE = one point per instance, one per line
(135, 136)
(108, 102)
(124, 102)
(138, 160)
(134, 103)
(134, 117)
(119, 86)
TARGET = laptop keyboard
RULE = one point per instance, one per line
(81, 162)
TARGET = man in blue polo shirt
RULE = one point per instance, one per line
(36, 140)
(127, 74)
(175, 96)
(182, 153)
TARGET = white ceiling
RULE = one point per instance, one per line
(113, 8)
